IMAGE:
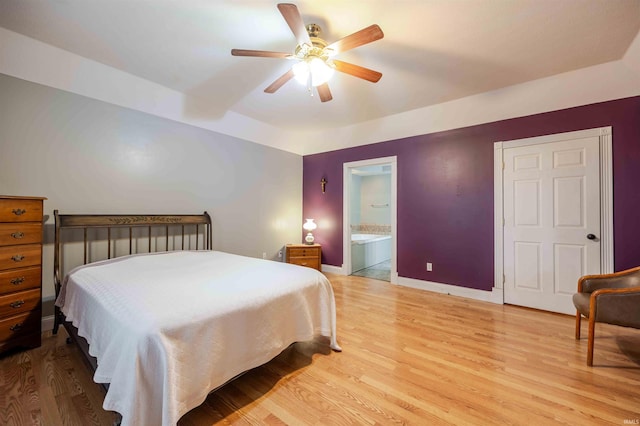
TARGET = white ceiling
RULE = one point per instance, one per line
(433, 51)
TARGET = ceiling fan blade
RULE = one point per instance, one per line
(364, 36)
(357, 71)
(260, 53)
(279, 82)
(324, 92)
(291, 14)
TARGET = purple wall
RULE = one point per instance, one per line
(445, 191)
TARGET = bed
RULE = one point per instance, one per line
(163, 320)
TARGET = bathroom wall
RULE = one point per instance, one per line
(375, 198)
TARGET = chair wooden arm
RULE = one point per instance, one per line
(605, 276)
(614, 291)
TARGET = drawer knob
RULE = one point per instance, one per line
(17, 304)
(17, 281)
(17, 235)
(18, 212)
(17, 258)
(16, 327)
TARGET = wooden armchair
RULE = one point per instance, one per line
(608, 298)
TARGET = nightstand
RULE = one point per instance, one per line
(309, 255)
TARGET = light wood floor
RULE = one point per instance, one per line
(409, 357)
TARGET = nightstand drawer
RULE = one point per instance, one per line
(305, 251)
(19, 326)
(20, 233)
(20, 256)
(311, 262)
(17, 303)
(18, 210)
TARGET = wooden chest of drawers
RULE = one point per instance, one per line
(20, 271)
(309, 255)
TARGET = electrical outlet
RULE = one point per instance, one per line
(280, 254)
(429, 266)
(264, 255)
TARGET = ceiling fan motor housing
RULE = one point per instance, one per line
(316, 49)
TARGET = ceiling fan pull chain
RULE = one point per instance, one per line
(309, 86)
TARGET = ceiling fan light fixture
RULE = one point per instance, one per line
(319, 70)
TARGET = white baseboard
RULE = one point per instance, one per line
(332, 269)
(47, 323)
(493, 296)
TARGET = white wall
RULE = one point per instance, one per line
(88, 156)
(375, 190)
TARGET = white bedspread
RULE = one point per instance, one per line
(167, 328)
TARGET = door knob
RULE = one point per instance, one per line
(591, 236)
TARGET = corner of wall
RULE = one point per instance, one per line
(631, 58)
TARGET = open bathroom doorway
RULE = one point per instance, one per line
(369, 218)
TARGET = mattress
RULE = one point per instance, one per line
(167, 328)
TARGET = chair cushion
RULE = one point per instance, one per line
(620, 309)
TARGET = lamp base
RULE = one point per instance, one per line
(309, 239)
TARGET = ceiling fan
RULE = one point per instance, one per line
(314, 56)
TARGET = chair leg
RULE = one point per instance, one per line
(592, 329)
(578, 318)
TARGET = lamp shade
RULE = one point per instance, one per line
(309, 225)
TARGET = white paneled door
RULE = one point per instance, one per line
(551, 221)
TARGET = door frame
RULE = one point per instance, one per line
(346, 211)
(606, 195)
